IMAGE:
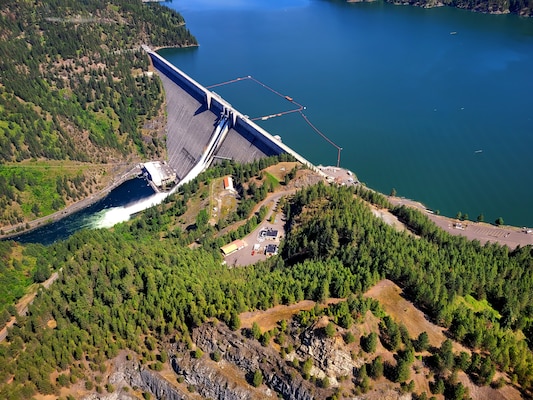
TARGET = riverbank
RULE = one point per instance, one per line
(124, 173)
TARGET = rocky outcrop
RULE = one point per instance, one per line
(248, 355)
(215, 381)
(160, 387)
(328, 353)
(129, 373)
(119, 395)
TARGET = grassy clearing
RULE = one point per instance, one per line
(40, 183)
(269, 319)
(200, 200)
(403, 311)
(478, 306)
(271, 180)
(36, 191)
(15, 277)
(279, 170)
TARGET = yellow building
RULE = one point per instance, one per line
(233, 247)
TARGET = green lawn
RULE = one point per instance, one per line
(271, 180)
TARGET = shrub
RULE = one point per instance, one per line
(258, 378)
(349, 338)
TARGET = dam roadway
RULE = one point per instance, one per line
(202, 127)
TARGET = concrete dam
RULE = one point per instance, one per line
(202, 127)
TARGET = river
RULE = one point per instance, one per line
(94, 216)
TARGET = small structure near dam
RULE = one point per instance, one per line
(160, 175)
(203, 128)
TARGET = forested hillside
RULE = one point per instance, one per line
(436, 270)
(75, 89)
(520, 7)
(143, 287)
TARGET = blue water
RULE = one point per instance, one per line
(410, 103)
(412, 95)
(129, 192)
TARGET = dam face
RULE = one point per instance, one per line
(193, 113)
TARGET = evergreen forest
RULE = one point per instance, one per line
(77, 102)
(155, 279)
(76, 98)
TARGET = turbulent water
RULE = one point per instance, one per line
(130, 197)
(436, 103)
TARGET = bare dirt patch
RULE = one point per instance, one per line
(269, 319)
(281, 169)
(52, 324)
(389, 218)
(403, 311)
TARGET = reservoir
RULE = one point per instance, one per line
(435, 103)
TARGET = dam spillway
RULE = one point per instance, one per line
(194, 113)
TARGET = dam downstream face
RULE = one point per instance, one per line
(434, 103)
(442, 116)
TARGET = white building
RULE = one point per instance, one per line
(159, 173)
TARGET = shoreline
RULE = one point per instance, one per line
(484, 232)
(508, 235)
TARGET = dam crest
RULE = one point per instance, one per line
(202, 127)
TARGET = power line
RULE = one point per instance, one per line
(291, 100)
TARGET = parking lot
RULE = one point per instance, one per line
(258, 239)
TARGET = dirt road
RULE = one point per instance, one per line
(25, 301)
(507, 235)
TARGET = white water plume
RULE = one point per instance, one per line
(111, 216)
(108, 218)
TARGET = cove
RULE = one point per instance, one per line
(435, 103)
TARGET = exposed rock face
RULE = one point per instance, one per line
(249, 356)
(210, 382)
(130, 373)
(159, 387)
(110, 396)
(120, 395)
(328, 354)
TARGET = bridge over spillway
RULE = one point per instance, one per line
(202, 126)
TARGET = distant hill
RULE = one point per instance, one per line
(74, 87)
(520, 7)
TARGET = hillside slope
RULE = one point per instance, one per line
(156, 290)
(75, 89)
